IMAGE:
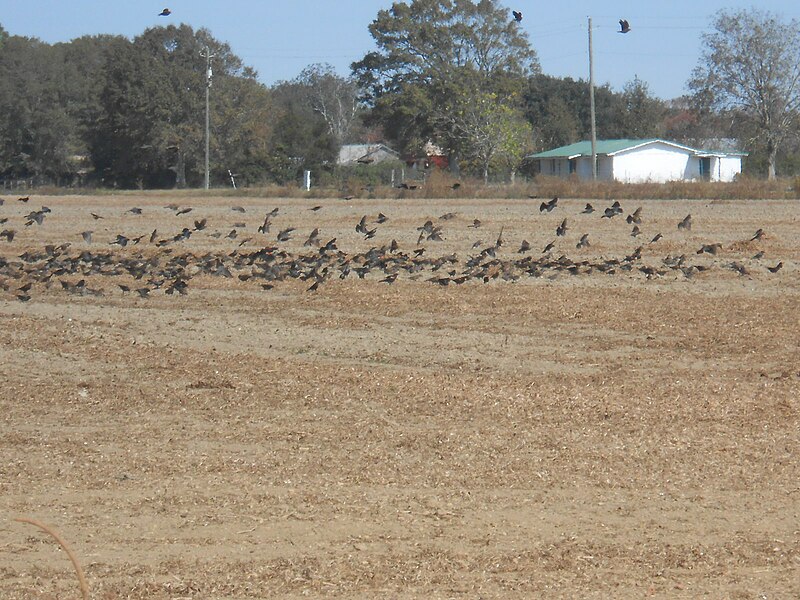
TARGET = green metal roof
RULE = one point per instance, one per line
(611, 147)
(585, 148)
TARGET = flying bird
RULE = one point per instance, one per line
(584, 242)
(588, 210)
(87, 237)
(548, 206)
(561, 230)
(165, 13)
(517, 15)
(686, 223)
(624, 26)
(759, 234)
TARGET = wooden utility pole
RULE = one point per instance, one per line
(591, 104)
(208, 56)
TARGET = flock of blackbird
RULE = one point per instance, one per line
(165, 263)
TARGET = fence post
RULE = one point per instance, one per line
(307, 180)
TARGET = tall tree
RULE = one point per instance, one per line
(152, 129)
(750, 66)
(334, 98)
(431, 55)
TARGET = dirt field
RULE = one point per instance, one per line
(605, 425)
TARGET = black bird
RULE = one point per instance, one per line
(759, 234)
(362, 225)
(285, 235)
(549, 247)
(636, 217)
(135, 210)
(455, 186)
(124, 288)
(121, 240)
(390, 279)
(95, 217)
(315, 208)
(200, 225)
(624, 26)
(561, 230)
(657, 237)
(499, 241)
(165, 13)
(87, 237)
(153, 235)
(584, 242)
(635, 232)
(758, 255)
(143, 292)
(686, 223)
(183, 211)
(548, 206)
(313, 238)
(382, 218)
(710, 248)
(24, 199)
(8, 234)
(239, 209)
(475, 223)
(588, 210)
(265, 227)
(776, 268)
(517, 15)
(524, 247)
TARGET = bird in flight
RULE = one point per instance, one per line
(517, 15)
(624, 26)
(165, 13)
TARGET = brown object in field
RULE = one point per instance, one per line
(78, 571)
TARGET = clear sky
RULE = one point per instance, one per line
(280, 38)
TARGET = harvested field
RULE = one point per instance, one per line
(598, 422)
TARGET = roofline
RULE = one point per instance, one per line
(641, 143)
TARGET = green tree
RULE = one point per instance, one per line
(750, 67)
(433, 55)
(151, 132)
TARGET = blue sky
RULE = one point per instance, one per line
(279, 39)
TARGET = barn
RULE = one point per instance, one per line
(640, 161)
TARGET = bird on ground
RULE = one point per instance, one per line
(135, 210)
(313, 238)
(635, 217)
(475, 223)
(23, 199)
(710, 248)
(285, 235)
(183, 211)
(686, 223)
(96, 217)
(524, 247)
(455, 186)
(165, 13)
(776, 268)
(517, 14)
(315, 208)
(624, 26)
(758, 255)
(239, 209)
(548, 206)
(759, 234)
(588, 210)
(561, 230)
(8, 234)
(447, 216)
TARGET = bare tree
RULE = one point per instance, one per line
(751, 65)
(335, 98)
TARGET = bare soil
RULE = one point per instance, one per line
(586, 435)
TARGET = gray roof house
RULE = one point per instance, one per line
(640, 161)
(365, 154)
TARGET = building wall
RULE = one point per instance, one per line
(728, 168)
(655, 163)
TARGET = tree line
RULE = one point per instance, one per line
(114, 112)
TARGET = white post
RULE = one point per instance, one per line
(307, 180)
(592, 105)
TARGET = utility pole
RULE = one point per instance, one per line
(208, 56)
(591, 104)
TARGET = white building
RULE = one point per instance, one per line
(640, 161)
